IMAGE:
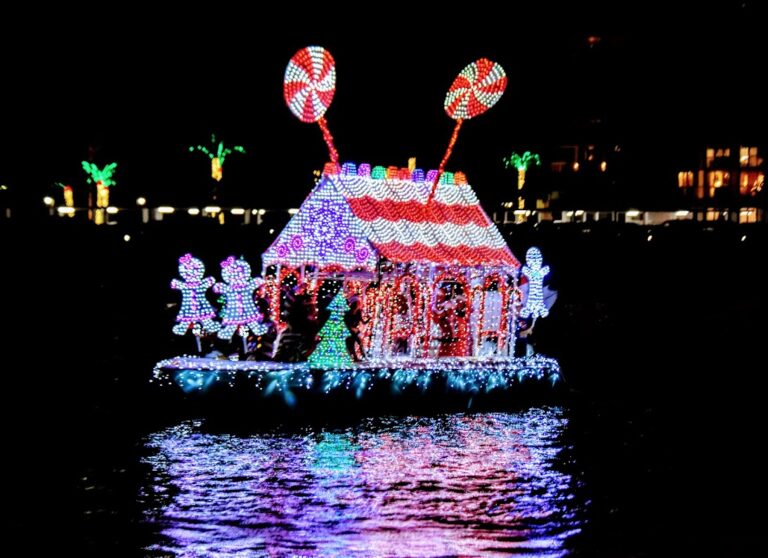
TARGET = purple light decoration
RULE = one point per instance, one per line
(239, 313)
(497, 476)
(325, 227)
(196, 313)
(323, 232)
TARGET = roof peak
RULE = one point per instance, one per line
(364, 170)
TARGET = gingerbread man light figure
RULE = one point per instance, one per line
(196, 312)
(535, 272)
(240, 313)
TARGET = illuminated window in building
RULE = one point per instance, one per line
(719, 153)
(748, 157)
(717, 179)
(710, 156)
(751, 183)
(685, 179)
(748, 215)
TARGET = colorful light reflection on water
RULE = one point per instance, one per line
(464, 485)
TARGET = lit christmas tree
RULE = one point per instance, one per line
(332, 352)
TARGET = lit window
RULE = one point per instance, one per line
(748, 157)
(751, 183)
(748, 215)
(710, 157)
(685, 179)
(717, 179)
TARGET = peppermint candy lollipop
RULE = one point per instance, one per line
(308, 88)
(477, 88)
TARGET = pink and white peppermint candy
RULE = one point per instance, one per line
(310, 82)
(477, 88)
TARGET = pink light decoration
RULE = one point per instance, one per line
(477, 88)
(308, 88)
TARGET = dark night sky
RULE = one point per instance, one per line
(141, 86)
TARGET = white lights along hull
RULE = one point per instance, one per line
(461, 379)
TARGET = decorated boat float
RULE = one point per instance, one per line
(387, 283)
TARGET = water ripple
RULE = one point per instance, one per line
(468, 485)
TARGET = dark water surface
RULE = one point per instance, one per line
(483, 484)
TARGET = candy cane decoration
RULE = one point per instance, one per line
(308, 88)
(477, 88)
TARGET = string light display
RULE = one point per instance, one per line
(521, 163)
(406, 314)
(69, 195)
(217, 154)
(352, 219)
(308, 88)
(239, 313)
(494, 310)
(276, 379)
(332, 352)
(324, 232)
(196, 313)
(535, 273)
(477, 88)
(103, 178)
(432, 284)
(358, 218)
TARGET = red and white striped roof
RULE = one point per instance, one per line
(392, 211)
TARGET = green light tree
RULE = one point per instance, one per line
(103, 178)
(217, 154)
(521, 164)
(332, 352)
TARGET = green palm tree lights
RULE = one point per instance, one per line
(521, 164)
(103, 178)
(217, 154)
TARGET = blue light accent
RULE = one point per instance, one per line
(286, 380)
(195, 380)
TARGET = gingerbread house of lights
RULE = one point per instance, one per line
(431, 290)
(434, 278)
